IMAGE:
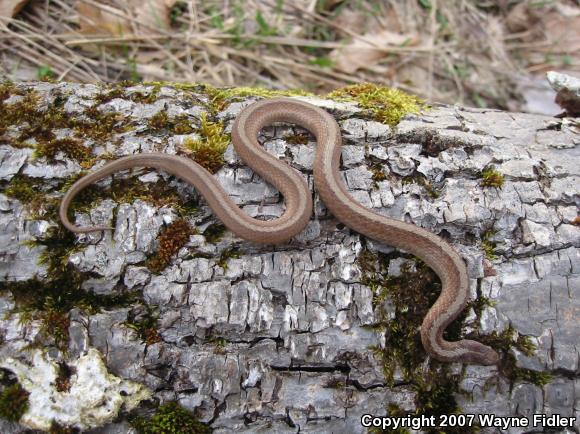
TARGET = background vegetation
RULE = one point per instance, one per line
(480, 53)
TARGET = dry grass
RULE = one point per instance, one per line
(461, 51)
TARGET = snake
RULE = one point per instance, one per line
(433, 250)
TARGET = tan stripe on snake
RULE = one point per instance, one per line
(433, 250)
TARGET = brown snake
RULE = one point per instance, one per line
(433, 250)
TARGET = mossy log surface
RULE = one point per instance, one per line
(185, 328)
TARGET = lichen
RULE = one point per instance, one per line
(170, 418)
(173, 238)
(208, 151)
(491, 178)
(94, 397)
(13, 402)
(388, 105)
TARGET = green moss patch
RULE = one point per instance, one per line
(214, 232)
(13, 402)
(487, 245)
(491, 178)
(222, 97)
(38, 123)
(170, 418)
(408, 298)
(72, 148)
(504, 341)
(208, 151)
(297, 139)
(23, 188)
(230, 252)
(388, 105)
(51, 300)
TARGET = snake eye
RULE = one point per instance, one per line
(340, 226)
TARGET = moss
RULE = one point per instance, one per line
(208, 151)
(100, 126)
(487, 245)
(421, 180)
(409, 297)
(378, 174)
(504, 341)
(173, 238)
(159, 120)
(222, 97)
(393, 410)
(55, 324)
(335, 383)
(13, 402)
(50, 300)
(219, 343)
(39, 124)
(23, 188)
(55, 428)
(116, 92)
(128, 190)
(491, 178)
(170, 418)
(178, 125)
(479, 304)
(388, 105)
(411, 294)
(62, 382)
(230, 252)
(214, 232)
(145, 324)
(297, 139)
(181, 125)
(72, 148)
(510, 369)
(7, 89)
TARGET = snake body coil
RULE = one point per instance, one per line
(434, 251)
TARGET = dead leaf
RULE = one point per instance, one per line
(361, 53)
(142, 17)
(152, 14)
(103, 21)
(9, 8)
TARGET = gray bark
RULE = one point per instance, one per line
(289, 315)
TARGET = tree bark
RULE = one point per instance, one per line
(291, 338)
